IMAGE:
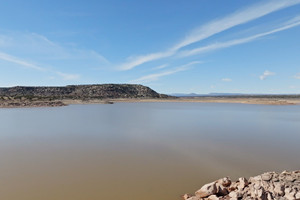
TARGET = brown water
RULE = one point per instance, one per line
(133, 151)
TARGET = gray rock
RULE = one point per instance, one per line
(290, 194)
(266, 176)
(269, 196)
(213, 197)
(297, 196)
(186, 196)
(279, 189)
(291, 178)
(235, 194)
(226, 182)
(243, 182)
(221, 190)
(207, 190)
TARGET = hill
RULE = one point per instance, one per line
(22, 96)
(83, 91)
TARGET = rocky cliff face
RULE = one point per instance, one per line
(83, 92)
(268, 186)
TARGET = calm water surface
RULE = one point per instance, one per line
(133, 151)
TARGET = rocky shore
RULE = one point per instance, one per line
(267, 186)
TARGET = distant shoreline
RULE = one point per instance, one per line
(238, 100)
(22, 96)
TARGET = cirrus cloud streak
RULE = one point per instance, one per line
(207, 30)
(156, 76)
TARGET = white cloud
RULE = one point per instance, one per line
(161, 66)
(295, 19)
(12, 59)
(220, 45)
(226, 79)
(135, 61)
(212, 28)
(266, 74)
(297, 76)
(51, 57)
(41, 48)
(237, 18)
(29, 65)
(68, 77)
(156, 76)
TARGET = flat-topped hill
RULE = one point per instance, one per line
(21, 96)
(103, 91)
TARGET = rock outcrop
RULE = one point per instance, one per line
(267, 186)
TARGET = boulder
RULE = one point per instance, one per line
(243, 182)
(207, 190)
(266, 176)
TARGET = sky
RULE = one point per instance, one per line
(172, 46)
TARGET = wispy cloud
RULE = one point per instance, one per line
(136, 61)
(28, 65)
(156, 76)
(161, 66)
(68, 77)
(237, 18)
(297, 76)
(43, 49)
(212, 28)
(226, 79)
(12, 59)
(52, 57)
(266, 74)
(230, 43)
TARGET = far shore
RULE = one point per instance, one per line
(241, 100)
(238, 100)
(50, 96)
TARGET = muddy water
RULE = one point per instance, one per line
(133, 151)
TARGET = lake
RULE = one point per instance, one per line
(133, 151)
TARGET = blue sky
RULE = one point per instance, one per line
(198, 46)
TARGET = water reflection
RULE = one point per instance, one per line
(134, 150)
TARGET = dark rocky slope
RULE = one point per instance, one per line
(104, 91)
